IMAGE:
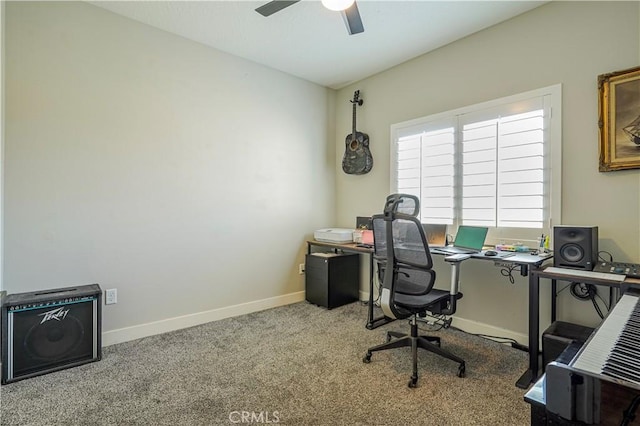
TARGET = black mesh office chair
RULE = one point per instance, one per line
(407, 284)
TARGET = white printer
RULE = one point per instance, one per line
(334, 235)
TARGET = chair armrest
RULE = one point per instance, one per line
(456, 258)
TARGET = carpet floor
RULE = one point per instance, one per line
(295, 365)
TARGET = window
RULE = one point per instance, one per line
(495, 164)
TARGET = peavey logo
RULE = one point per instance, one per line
(56, 314)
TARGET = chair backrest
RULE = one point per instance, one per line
(406, 261)
(403, 203)
(379, 237)
(410, 246)
(394, 204)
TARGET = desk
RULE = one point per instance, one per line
(531, 375)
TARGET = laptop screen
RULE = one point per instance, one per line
(436, 234)
(471, 237)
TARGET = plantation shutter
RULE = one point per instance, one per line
(502, 160)
(426, 168)
(488, 164)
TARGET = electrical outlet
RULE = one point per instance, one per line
(111, 296)
(301, 268)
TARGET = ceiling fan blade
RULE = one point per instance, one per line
(274, 6)
(352, 19)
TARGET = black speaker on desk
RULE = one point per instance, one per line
(575, 247)
(50, 330)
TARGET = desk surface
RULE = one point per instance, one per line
(341, 246)
(517, 258)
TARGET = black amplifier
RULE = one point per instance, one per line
(629, 269)
(50, 330)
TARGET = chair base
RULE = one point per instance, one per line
(429, 343)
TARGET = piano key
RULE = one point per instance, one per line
(621, 374)
(594, 354)
(620, 364)
(627, 372)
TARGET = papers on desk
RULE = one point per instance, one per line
(323, 254)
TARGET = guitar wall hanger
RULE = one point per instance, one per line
(357, 159)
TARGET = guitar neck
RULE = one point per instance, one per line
(354, 119)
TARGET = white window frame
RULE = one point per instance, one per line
(552, 99)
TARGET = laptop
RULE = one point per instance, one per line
(436, 234)
(469, 239)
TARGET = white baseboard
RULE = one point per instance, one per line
(475, 327)
(170, 324)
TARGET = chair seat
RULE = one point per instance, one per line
(419, 302)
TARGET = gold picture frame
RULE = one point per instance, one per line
(619, 120)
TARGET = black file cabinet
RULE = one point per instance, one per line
(331, 279)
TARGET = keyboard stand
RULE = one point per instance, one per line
(532, 373)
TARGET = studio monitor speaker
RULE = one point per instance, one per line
(50, 330)
(575, 247)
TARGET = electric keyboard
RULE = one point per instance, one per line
(614, 348)
(602, 381)
(628, 269)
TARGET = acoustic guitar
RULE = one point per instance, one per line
(357, 159)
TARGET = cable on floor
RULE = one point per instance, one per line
(497, 339)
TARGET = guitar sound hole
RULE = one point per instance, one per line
(353, 145)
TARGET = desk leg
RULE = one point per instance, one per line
(554, 300)
(531, 374)
(371, 321)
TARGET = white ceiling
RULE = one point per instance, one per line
(311, 42)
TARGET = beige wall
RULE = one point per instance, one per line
(184, 177)
(2, 62)
(561, 42)
(176, 173)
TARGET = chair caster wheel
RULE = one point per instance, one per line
(413, 382)
(367, 358)
(461, 370)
